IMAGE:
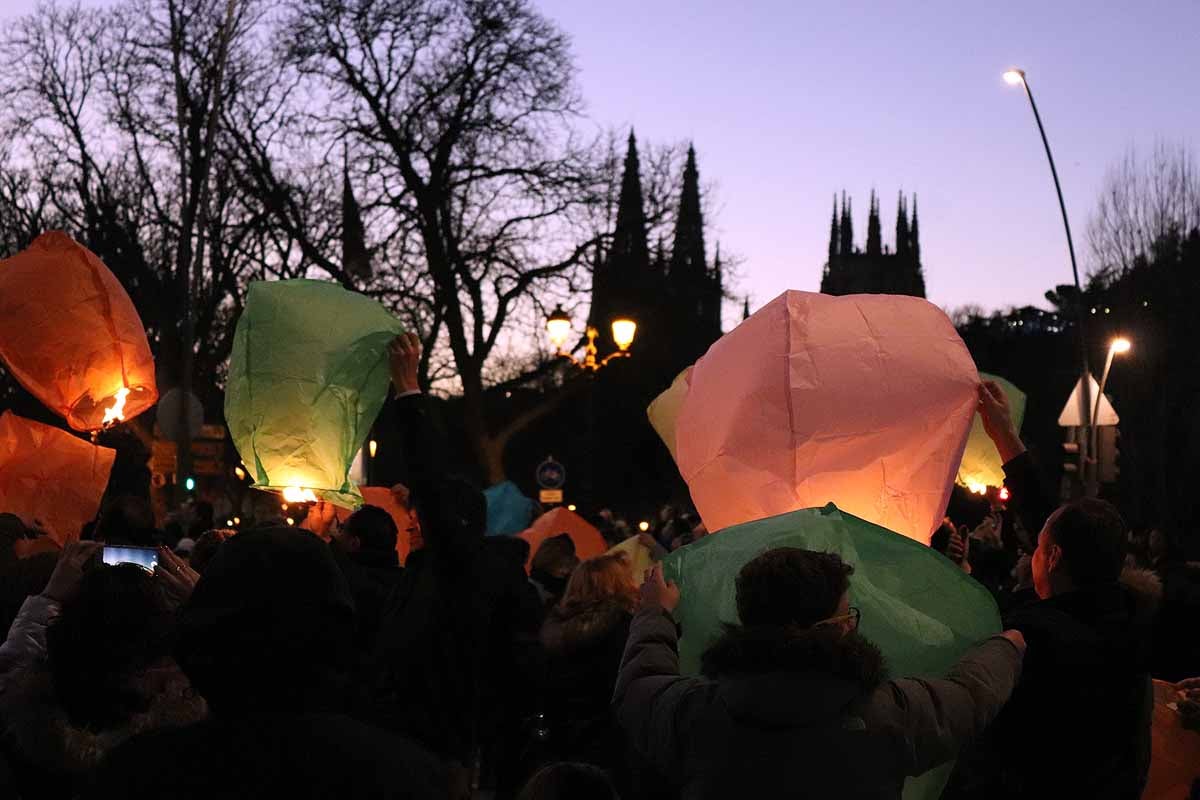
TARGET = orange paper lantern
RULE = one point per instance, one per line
(70, 334)
(385, 498)
(49, 478)
(588, 541)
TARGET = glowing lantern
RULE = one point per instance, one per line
(70, 334)
(862, 400)
(981, 466)
(307, 377)
(588, 541)
(664, 410)
(50, 478)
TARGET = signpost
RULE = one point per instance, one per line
(551, 477)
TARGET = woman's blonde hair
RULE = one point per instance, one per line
(603, 578)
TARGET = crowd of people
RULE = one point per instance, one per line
(305, 661)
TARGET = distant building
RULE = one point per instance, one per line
(877, 269)
(675, 297)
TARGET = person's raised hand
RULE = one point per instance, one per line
(657, 592)
(319, 518)
(404, 360)
(176, 577)
(998, 422)
(64, 581)
(956, 550)
(1017, 638)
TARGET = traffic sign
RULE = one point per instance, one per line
(551, 474)
(549, 496)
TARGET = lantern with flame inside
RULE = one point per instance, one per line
(70, 334)
(307, 377)
(981, 466)
(50, 478)
(863, 400)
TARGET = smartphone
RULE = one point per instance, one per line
(144, 557)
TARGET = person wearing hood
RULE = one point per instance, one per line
(267, 639)
(449, 627)
(86, 665)
(584, 637)
(1078, 723)
(794, 702)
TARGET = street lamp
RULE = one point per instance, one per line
(1014, 77)
(1118, 346)
(558, 331)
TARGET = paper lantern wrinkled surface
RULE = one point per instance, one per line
(50, 478)
(1174, 750)
(664, 410)
(383, 497)
(981, 465)
(919, 608)
(307, 377)
(70, 334)
(588, 541)
(640, 557)
(861, 400)
(508, 511)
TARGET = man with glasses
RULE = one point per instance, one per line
(794, 702)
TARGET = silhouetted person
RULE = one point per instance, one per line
(552, 566)
(793, 701)
(569, 781)
(266, 639)
(127, 519)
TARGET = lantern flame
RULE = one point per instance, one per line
(116, 412)
(977, 488)
(295, 494)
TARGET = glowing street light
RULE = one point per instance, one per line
(1015, 77)
(372, 447)
(558, 328)
(623, 331)
(558, 331)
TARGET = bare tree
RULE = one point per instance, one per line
(460, 121)
(1143, 200)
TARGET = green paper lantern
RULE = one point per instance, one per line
(919, 608)
(307, 378)
(981, 465)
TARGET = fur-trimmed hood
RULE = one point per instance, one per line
(751, 650)
(36, 725)
(575, 628)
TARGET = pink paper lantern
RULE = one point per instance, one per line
(863, 400)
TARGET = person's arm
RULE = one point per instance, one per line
(26, 642)
(937, 718)
(650, 698)
(1029, 499)
(427, 475)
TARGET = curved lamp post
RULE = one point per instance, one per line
(1015, 77)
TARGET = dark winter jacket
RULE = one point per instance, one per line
(449, 627)
(1078, 723)
(583, 652)
(808, 727)
(50, 756)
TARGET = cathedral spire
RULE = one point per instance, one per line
(847, 228)
(901, 226)
(746, 305)
(915, 247)
(874, 236)
(630, 250)
(356, 261)
(687, 253)
(833, 232)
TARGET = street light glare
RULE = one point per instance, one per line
(1014, 77)
(1120, 345)
(558, 328)
(623, 331)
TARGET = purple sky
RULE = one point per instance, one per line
(788, 101)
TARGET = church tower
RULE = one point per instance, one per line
(875, 270)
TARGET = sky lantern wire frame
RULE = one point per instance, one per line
(862, 400)
(70, 334)
(307, 377)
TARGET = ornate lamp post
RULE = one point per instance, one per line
(559, 331)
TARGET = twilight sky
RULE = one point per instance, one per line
(790, 100)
